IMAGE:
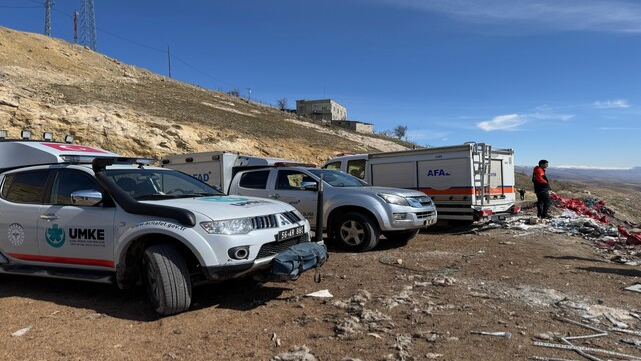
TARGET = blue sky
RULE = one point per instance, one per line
(553, 79)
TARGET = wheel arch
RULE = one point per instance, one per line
(336, 213)
(129, 270)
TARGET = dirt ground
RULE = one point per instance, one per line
(420, 301)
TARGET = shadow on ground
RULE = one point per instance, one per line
(243, 295)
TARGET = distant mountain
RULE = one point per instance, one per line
(632, 175)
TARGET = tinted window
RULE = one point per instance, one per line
(291, 179)
(356, 168)
(149, 184)
(333, 166)
(254, 180)
(69, 181)
(25, 187)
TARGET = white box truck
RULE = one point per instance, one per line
(467, 182)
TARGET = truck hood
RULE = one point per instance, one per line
(395, 191)
(227, 207)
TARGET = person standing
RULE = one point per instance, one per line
(522, 193)
(542, 189)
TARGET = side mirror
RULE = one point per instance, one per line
(86, 197)
(309, 186)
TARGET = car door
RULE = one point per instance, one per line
(72, 234)
(287, 188)
(21, 198)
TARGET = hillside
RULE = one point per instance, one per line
(47, 84)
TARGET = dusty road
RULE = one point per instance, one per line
(421, 301)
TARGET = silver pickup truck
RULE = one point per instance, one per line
(354, 213)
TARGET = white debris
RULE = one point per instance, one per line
(320, 294)
(21, 331)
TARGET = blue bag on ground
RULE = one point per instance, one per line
(289, 264)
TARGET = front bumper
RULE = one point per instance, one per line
(406, 218)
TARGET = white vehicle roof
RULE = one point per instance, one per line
(25, 153)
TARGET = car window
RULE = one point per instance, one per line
(333, 166)
(254, 180)
(337, 178)
(291, 179)
(25, 187)
(356, 168)
(69, 181)
(146, 184)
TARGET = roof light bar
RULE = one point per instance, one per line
(3, 134)
(48, 136)
(69, 138)
(25, 134)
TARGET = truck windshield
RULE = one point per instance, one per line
(144, 184)
(337, 178)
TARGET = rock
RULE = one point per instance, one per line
(296, 353)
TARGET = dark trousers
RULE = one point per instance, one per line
(543, 203)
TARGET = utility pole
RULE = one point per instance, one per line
(75, 26)
(249, 92)
(169, 60)
(48, 5)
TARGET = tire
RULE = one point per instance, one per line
(356, 232)
(167, 279)
(401, 236)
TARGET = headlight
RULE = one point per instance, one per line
(393, 199)
(229, 226)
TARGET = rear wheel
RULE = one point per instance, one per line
(167, 279)
(356, 232)
(401, 236)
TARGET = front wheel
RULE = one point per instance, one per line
(357, 232)
(167, 279)
(401, 236)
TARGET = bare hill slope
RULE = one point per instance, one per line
(47, 84)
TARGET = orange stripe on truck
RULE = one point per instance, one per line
(464, 190)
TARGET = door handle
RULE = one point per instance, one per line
(275, 196)
(49, 216)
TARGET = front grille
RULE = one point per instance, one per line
(292, 217)
(423, 215)
(274, 248)
(424, 201)
(262, 222)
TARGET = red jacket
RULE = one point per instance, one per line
(539, 179)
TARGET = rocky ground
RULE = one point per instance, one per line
(527, 286)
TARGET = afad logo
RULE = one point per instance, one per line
(55, 236)
(437, 173)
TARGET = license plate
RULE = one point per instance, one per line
(290, 233)
(430, 221)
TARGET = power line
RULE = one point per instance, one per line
(145, 46)
(20, 7)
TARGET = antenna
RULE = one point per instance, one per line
(88, 25)
(48, 5)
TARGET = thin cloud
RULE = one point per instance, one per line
(502, 122)
(609, 104)
(591, 15)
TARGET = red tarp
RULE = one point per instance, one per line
(598, 211)
(578, 206)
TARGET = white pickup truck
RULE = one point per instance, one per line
(80, 212)
(354, 213)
